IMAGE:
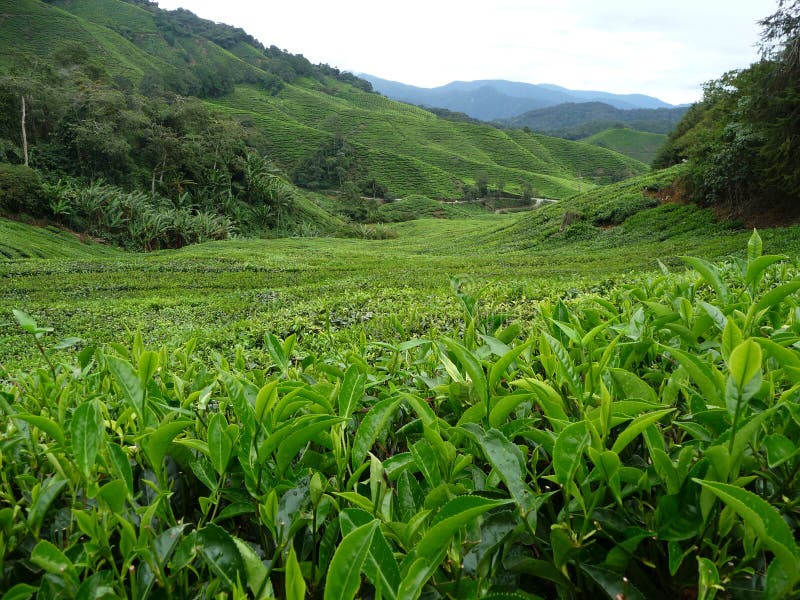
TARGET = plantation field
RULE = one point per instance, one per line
(640, 145)
(413, 152)
(329, 418)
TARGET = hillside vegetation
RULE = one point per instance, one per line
(597, 398)
(742, 142)
(641, 145)
(170, 105)
(579, 120)
(376, 391)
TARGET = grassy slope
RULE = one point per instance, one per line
(405, 148)
(640, 145)
(18, 240)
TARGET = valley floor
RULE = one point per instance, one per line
(325, 290)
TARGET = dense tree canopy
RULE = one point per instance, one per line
(743, 139)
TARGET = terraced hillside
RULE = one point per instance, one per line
(406, 149)
(18, 240)
(640, 145)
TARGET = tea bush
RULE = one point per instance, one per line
(639, 443)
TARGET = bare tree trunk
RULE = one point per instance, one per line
(24, 134)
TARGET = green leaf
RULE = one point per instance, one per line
(637, 426)
(113, 494)
(421, 563)
(756, 268)
(700, 373)
(370, 428)
(745, 362)
(121, 464)
(380, 565)
(505, 405)
(731, 337)
(295, 585)
(607, 463)
(613, 584)
(46, 425)
(550, 401)
(41, 501)
(128, 380)
(87, 433)
(276, 351)
(629, 386)
(344, 572)
(417, 574)
(219, 444)
(719, 318)
(765, 521)
(754, 247)
(710, 274)
(257, 574)
(454, 515)
(148, 365)
(471, 365)
(426, 461)
(505, 458)
(501, 366)
(158, 441)
(21, 591)
(776, 295)
(25, 321)
(707, 580)
(784, 356)
(351, 392)
(292, 445)
(568, 451)
(51, 559)
(221, 554)
(565, 362)
(779, 449)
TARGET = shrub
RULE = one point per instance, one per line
(21, 190)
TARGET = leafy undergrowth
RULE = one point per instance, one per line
(638, 444)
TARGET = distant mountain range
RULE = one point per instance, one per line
(496, 99)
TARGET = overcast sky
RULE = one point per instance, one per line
(665, 48)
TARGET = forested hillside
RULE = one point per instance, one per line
(187, 130)
(742, 141)
(580, 120)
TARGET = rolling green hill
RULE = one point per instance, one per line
(640, 145)
(292, 106)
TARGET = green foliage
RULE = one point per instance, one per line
(574, 121)
(420, 207)
(640, 145)
(588, 450)
(741, 140)
(21, 191)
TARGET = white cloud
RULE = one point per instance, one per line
(666, 49)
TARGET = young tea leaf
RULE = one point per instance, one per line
(87, 433)
(344, 572)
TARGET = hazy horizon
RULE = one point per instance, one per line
(621, 46)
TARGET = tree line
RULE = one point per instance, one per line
(742, 141)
